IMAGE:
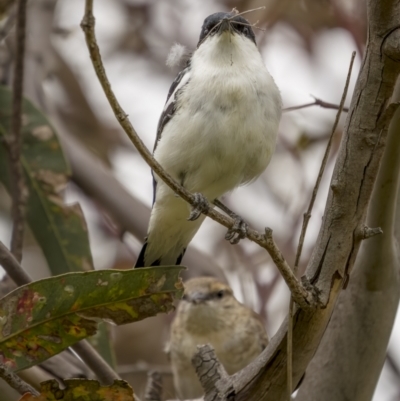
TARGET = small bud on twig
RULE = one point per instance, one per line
(368, 232)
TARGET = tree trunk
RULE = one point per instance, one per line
(352, 352)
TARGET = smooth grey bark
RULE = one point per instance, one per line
(352, 352)
(341, 231)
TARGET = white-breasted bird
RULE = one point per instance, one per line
(217, 131)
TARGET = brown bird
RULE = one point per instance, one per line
(210, 314)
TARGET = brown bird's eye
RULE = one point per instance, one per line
(220, 294)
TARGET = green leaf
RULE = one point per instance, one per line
(82, 390)
(43, 318)
(59, 229)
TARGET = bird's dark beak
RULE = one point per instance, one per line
(198, 297)
(225, 26)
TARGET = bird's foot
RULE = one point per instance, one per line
(238, 230)
(201, 205)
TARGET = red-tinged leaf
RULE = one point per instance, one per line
(43, 318)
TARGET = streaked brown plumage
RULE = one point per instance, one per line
(210, 314)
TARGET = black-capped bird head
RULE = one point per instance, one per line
(226, 24)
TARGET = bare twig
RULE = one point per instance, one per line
(301, 296)
(15, 382)
(17, 181)
(12, 267)
(307, 215)
(88, 354)
(316, 102)
(247, 11)
(306, 219)
(95, 362)
(297, 291)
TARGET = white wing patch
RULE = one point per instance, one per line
(182, 83)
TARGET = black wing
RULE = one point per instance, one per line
(170, 108)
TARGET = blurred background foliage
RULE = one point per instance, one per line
(306, 45)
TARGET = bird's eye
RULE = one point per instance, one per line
(246, 31)
(220, 294)
(185, 298)
(205, 31)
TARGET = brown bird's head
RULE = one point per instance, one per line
(206, 304)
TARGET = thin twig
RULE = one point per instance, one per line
(15, 141)
(95, 362)
(16, 382)
(248, 11)
(12, 267)
(316, 102)
(88, 354)
(301, 296)
(307, 215)
(306, 219)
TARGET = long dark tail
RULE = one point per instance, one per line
(141, 258)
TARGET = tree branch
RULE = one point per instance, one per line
(215, 381)
(317, 102)
(95, 362)
(12, 267)
(301, 296)
(15, 141)
(98, 181)
(15, 382)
